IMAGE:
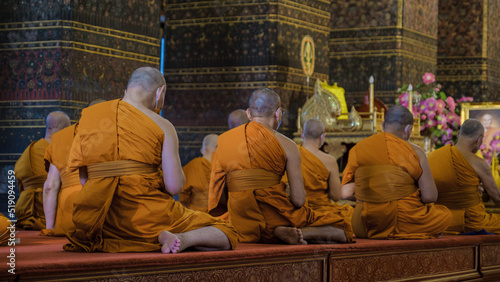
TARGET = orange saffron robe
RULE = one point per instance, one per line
(316, 177)
(194, 194)
(257, 210)
(126, 213)
(57, 154)
(4, 232)
(457, 184)
(30, 173)
(395, 169)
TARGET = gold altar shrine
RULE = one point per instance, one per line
(348, 128)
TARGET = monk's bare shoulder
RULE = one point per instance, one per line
(288, 145)
(166, 126)
(476, 162)
(420, 152)
(328, 160)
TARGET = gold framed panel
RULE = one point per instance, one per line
(487, 113)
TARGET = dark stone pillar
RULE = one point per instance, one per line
(217, 53)
(393, 40)
(469, 49)
(61, 54)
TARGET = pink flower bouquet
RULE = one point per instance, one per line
(439, 113)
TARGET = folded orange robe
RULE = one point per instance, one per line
(457, 184)
(194, 194)
(385, 169)
(57, 154)
(316, 177)
(125, 212)
(250, 161)
(31, 174)
(4, 232)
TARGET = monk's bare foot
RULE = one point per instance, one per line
(170, 242)
(290, 235)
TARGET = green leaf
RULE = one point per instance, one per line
(442, 95)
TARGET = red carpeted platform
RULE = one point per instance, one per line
(449, 258)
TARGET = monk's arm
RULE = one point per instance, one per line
(294, 172)
(171, 164)
(50, 192)
(428, 189)
(347, 191)
(483, 170)
(334, 189)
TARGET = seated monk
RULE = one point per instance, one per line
(320, 172)
(194, 194)
(4, 230)
(249, 162)
(31, 175)
(216, 200)
(393, 185)
(129, 165)
(458, 172)
(237, 118)
(62, 185)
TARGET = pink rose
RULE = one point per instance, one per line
(428, 78)
(451, 103)
(431, 104)
(440, 105)
(403, 99)
(465, 99)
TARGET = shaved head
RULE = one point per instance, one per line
(147, 78)
(209, 145)
(96, 101)
(398, 117)
(313, 128)
(237, 118)
(263, 103)
(56, 121)
(471, 128)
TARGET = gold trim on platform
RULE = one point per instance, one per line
(128, 273)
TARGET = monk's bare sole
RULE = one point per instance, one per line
(290, 235)
(324, 235)
(170, 242)
(206, 249)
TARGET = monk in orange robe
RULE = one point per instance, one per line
(129, 165)
(320, 172)
(4, 230)
(458, 173)
(236, 118)
(194, 194)
(31, 175)
(249, 163)
(393, 185)
(62, 185)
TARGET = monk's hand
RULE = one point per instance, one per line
(287, 189)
